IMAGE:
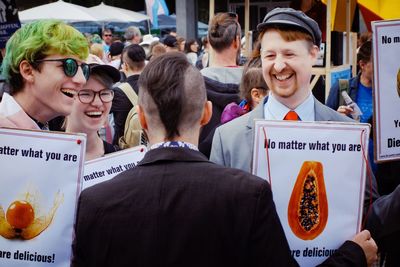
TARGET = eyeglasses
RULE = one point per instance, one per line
(70, 66)
(86, 96)
(108, 35)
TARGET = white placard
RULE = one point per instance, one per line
(334, 154)
(40, 183)
(386, 51)
(105, 168)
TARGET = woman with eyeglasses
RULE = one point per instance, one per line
(91, 108)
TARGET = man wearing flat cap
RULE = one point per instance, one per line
(289, 47)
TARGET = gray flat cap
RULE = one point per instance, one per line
(291, 18)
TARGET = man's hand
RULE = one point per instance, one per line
(345, 110)
(368, 245)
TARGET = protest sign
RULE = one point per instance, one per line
(386, 48)
(40, 183)
(105, 168)
(9, 21)
(317, 175)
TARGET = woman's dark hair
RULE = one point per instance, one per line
(188, 44)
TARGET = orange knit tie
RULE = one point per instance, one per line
(291, 116)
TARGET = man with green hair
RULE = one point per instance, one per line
(44, 66)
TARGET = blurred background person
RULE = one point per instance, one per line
(91, 108)
(359, 89)
(133, 57)
(107, 37)
(170, 43)
(97, 50)
(181, 43)
(191, 51)
(202, 60)
(114, 55)
(222, 76)
(253, 89)
(156, 49)
(148, 41)
(132, 35)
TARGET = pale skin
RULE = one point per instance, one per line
(129, 71)
(287, 71)
(43, 95)
(227, 57)
(256, 96)
(368, 245)
(88, 119)
(156, 133)
(287, 68)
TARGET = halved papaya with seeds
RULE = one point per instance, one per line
(308, 204)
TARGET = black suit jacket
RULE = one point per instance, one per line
(178, 209)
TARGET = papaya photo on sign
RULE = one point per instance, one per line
(308, 205)
(317, 172)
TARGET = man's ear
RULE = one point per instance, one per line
(142, 117)
(207, 113)
(314, 53)
(26, 70)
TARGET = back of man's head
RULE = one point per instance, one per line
(134, 56)
(172, 94)
(223, 30)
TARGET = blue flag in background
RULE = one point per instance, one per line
(155, 8)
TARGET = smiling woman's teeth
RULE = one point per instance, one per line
(94, 113)
(68, 92)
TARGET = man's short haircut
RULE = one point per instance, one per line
(289, 34)
(35, 41)
(116, 48)
(107, 30)
(135, 56)
(172, 93)
(157, 50)
(222, 31)
(131, 32)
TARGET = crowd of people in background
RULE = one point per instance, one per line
(98, 81)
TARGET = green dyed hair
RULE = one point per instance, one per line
(37, 40)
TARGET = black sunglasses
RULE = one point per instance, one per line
(70, 66)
